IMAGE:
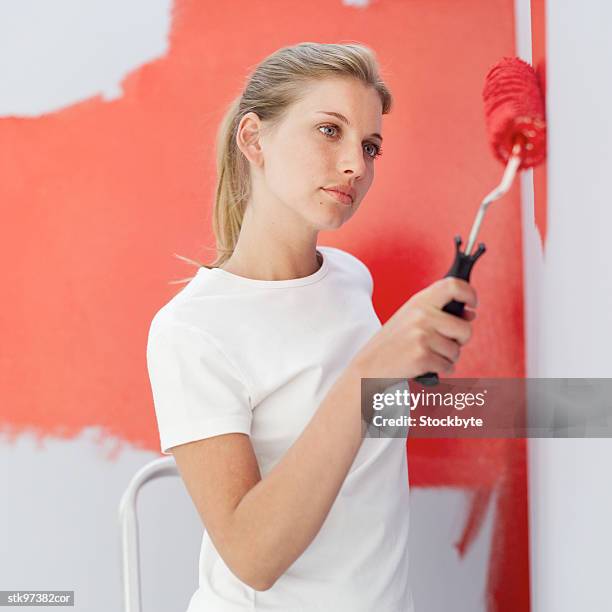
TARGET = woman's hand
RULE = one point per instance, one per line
(420, 337)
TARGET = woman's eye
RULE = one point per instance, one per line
(328, 127)
(376, 150)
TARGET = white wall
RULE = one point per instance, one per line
(53, 54)
(59, 524)
(568, 306)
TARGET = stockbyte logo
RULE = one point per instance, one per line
(488, 408)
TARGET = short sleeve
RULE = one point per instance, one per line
(369, 278)
(364, 272)
(197, 392)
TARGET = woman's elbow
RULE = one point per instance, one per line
(254, 577)
(263, 586)
(257, 582)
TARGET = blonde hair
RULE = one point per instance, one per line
(275, 84)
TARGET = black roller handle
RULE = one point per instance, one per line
(461, 268)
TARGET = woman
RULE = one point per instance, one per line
(256, 365)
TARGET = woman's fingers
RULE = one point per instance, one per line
(469, 315)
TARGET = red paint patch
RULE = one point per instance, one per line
(480, 503)
(538, 44)
(100, 195)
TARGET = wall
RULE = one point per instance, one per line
(568, 289)
(107, 170)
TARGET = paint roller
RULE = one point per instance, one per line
(516, 128)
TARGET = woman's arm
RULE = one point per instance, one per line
(261, 526)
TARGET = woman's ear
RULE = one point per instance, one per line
(248, 138)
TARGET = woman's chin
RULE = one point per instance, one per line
(332, 217)
(331, 223)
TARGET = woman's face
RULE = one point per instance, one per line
(311, 151)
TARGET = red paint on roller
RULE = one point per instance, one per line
(514, 110)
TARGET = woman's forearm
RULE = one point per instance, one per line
(280, 516)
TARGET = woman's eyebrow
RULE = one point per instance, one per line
(345, 120)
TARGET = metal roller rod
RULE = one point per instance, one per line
(507, 179)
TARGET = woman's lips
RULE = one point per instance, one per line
(339, 196)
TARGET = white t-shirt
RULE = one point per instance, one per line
(232, 354)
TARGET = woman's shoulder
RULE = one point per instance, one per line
(350, 261)
(187, 315)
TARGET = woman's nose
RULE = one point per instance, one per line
(352, 160)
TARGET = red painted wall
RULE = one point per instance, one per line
(538, 42)
(101, 194)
